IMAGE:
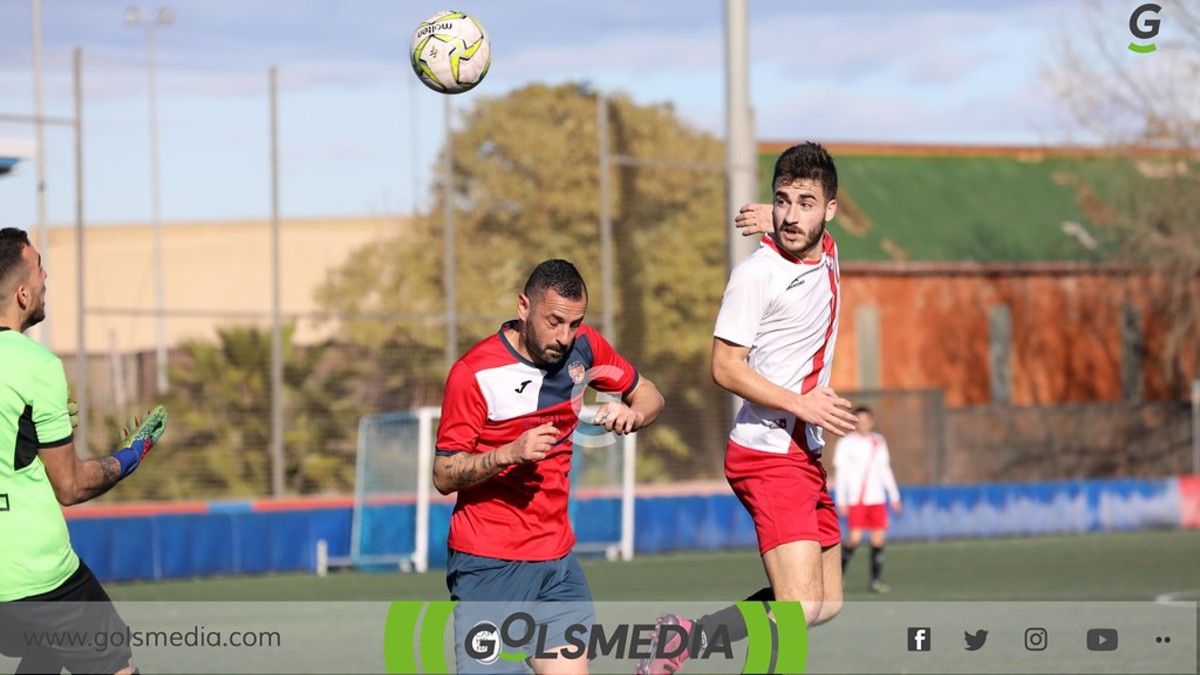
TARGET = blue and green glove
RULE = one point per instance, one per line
(138, 437)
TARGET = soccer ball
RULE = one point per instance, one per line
(451, 52)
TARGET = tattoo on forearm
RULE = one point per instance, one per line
(464, 473)
(468, 470)
(112, 471)
(110, 475)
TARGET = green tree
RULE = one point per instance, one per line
(219, 434)
(526, 188)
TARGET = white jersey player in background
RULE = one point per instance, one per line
(865, 486)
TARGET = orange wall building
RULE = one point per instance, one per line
(1026, 334)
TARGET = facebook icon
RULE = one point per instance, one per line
(920, 639)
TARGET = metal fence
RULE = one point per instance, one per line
(1079, 440)
(219, 440)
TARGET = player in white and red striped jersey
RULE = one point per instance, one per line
(510, 408)
(865, 487)
(773, 347)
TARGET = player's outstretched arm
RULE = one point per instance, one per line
(754, 219)
(75, 480)
(464, 469)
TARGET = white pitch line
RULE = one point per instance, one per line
(1177, 598)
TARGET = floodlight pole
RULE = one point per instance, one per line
(81, 365)
(276, 301)
(43, 234)
(740, 161)
(448, 274)
(606, 239)
(163, 17)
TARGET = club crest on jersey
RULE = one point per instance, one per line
(576, 371)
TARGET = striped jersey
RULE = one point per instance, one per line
(864, 470)
(492, 396)
(786, 311)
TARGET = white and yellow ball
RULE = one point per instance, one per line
(451, 52)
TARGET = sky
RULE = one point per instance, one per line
(359, 133)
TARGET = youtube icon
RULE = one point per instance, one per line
(1102, 639)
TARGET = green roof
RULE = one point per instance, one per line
(955, 205)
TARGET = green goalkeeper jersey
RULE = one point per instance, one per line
(35, 548)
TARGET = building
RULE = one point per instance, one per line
(985, 272)
(215, 274)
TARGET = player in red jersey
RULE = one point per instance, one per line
(510, 408)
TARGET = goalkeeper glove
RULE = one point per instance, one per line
(72, 409)
(138, 437)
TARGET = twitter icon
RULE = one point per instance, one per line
(976, 640)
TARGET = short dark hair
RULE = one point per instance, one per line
(809, 161)
(13, 241)
(559, 275)
(864, 409)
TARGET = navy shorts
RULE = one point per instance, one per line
(542, 606)
(78, 617)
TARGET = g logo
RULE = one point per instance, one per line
(483, 642)
(1144, 29)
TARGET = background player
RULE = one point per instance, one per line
(865, 485)
(504, 444)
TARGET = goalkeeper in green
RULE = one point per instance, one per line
(52, 608)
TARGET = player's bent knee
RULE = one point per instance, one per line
(829, 609)
(812, 612)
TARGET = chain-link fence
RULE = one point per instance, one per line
(220, 398)
(219, 443)
(379, 340)
(1080, 440)
(931, 444)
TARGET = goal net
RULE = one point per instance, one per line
(394, 495)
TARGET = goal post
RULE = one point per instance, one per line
(390, 516)
(394, 496)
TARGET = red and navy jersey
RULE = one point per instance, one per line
(493, 395)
